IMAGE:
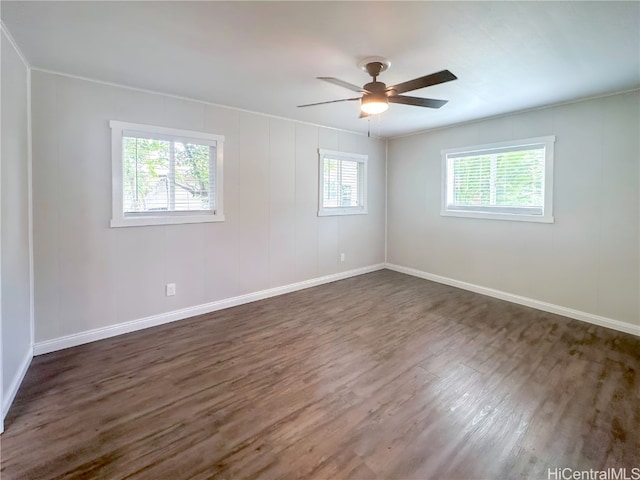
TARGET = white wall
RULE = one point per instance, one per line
(588, 260)
(14, 228)
(90, 276)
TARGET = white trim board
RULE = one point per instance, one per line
(517, 112)
(190, 99)
(88, 336)
(528, 302)
(10, 395)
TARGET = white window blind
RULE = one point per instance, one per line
(342, 183)
(164, 175)
(511, 180)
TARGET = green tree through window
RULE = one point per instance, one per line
(166, 175)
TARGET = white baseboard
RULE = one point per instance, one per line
(10, 394)
(529, 302)
(88, 336)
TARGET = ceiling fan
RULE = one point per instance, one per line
(376, 96)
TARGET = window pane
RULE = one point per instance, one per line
(341, 183)
(331, 182)
(145, 174)
(349, 184)
(519, 179)
(164, 175)
(506, 179)
(192, 182)
(471, 180)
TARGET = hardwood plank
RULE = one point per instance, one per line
(380, 376)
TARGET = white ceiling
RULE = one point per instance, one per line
(264, 56)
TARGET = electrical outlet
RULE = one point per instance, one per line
(342, 257)
(171, 289)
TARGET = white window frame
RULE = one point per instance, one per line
(362, 182)
(120, 219)
(547, 215)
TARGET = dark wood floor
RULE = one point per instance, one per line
(378, 376)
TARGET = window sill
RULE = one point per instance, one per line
(499, 216)
(330, 212)
(141, 221)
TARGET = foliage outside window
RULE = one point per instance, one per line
(163, 175)
(504, 181)
(342, 188)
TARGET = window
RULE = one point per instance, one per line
(503, 181)
(165, 176)
(343, 183)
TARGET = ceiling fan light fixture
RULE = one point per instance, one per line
(374, 104)
(376, 96)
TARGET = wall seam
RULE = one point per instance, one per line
(30, 210)
(386, 198)
(2, 31)
(269, 155)
(56, 108)
(603, 115)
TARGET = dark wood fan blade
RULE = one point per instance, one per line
(342, 83)
(418, 102)
(426, 81)
(330, 101)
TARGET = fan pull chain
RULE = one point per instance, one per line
(368, 126)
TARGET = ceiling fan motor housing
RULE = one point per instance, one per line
(375, 87)
(374, 68)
